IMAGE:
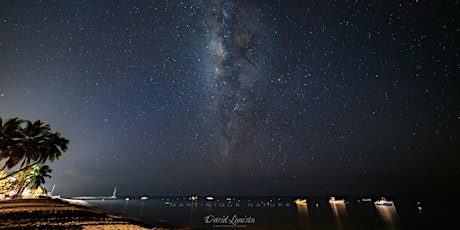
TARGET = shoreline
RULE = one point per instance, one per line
(61, 214)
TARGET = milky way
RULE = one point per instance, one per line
(239, 97)
(236, 47)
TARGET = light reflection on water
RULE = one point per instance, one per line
(388, 214)
(141, 210)
(344, 216)
(125, 207)
(193, 211)
(340, 211)
(302, 209)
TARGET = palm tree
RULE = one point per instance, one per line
(29, 144)
(9, 131)
(25, 145)
(53, 147)
(35, 176)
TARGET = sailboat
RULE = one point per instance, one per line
(50, 194)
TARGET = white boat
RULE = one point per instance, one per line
(300, 201)
(114, 196)
(332, 200)
(144, 198)
(210, 198)
(384, 202)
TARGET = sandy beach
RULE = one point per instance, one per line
(59, 214)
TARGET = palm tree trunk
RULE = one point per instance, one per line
(20, 170)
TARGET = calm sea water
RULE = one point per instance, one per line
(283, 213)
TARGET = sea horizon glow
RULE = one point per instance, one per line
(239, 97)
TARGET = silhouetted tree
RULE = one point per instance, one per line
(28, 143)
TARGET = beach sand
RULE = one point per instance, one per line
(59, 214)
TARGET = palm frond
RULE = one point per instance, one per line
(24, 142)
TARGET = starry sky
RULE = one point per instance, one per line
(240, 97)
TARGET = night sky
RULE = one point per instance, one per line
(240, 97)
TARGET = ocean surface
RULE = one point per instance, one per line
(284, 213)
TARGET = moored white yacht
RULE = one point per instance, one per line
(300, 201)
(332, 200)
(384, 202)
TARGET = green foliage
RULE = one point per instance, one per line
(24, 142)
(35, 176)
